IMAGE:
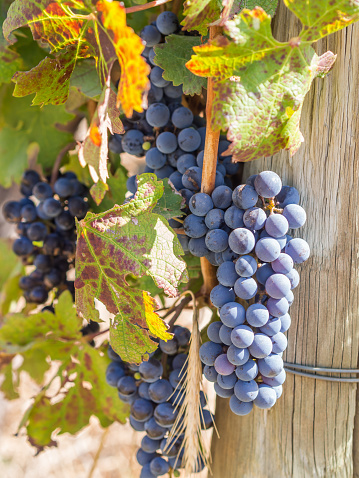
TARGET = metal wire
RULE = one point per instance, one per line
(289, 366)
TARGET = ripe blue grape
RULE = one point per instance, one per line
(164, 172)
(183, 335)
(154, 430)
(77, 207)
(200, 204)
(215, 219)
(169, 347)
(244, 196)
(185, 162)
(136, 425)
(174, 92)
(213, 332)
(240, 408)
(223, 366)
(12, 211)
(220, 295)
(266, 397)
(287, 195)
(242, 336)
(229, 255)
(246, 391)
(283, 264)
(141, 409)
(156, 77)
(65, 221)
(277, 286)
(275, 381)
(261, 346)
(157, 115)
(143, 457)
(223, 392)
(232, 314)
(279, 342)
(225, 334)
(165, 414)
(167, 23)
(22, 246)
(182, 118)
(298, 249)
(217, 240)
(28, 212)
(43, 190)
(127, 386)
(226, 274)
(150, 35)
(209, 351)
(51, 207)
(277, 307)
(246, 266)
(160, 391)
(114, 372)
(290, 298)
(189, 140)
(293, 277)
(247, 371)
(241, 241)
(210, 373)
(285, 322)
(245, 288)
(267, 184)
(37, 231)
(267, 249)
(271, 327)
(151, 370)
(197, 247)
(195, 226)
(166, 142)
(132, 142)
(149, 445)
(237, 356)
(192, 178)
(257, 315)
(176, 180)
(222, 197)
(254, 218)
(233, 217)
(271, 365)
(155, 159)
(227, 381)
(276, 225)
(295, 215)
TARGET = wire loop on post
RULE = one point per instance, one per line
(297, 371)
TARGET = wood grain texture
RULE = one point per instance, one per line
(309, 432)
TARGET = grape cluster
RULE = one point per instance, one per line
(245, 233)
(45, 222)
(154, 389)
(168, 134)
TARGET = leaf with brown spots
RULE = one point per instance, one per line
(82, 390)
(94, 150)
(323, 17)
(128, 239)
(261, 85)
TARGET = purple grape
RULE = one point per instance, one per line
(267, 249)
(277, 286)
(217, 240)
(276, 225)
(285, 322)
(232, 314)
(213, 332)
(210, 373)
(270, 366)
(237, 356)
(266, 397)
(226, 274)
(277, 307)
(242, 241)
(257, 315)
(215, 219)
(293, 277)
(246, 266)
(279, 342)
(287, 195)
(225, 335)
(242, 336)
(244, 196)
(238, 407)
(268, 184)
(283, 264)
(233, 217)
(245, 288)
(261, 346)
(223, 392)
(223, 366)
(254, 218)
(295, 215)
(209, 351)
(246, 391)
(227, 381)
(298, 249)
(271, 327)
(220, 295)
(222, 197)
(247, 371)
(275, 381)
(200, 204)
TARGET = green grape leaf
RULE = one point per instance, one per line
(85, 79)
(128, 239)
(260, 85)
(77, 30)
(171, 202)
(82, 390)
(269, 6)
(10, 62)
(172, 57)
(21, 125)
(324, 17)
(8, 386)
(199, 14)
(98, 191)
(94, 149)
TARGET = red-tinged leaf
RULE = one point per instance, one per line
(199, 14)
(98, 191)
(69, 27)
(94, 149)
(261, 85)
(323, 17)
(128, 239)
(129, 47)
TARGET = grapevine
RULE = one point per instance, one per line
(123, 128)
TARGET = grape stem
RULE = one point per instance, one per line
(59, 158)
(209, 169)
(138, 8)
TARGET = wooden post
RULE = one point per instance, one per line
(309, 432)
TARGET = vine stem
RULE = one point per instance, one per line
(98, 452)
(59, 158)
(209, 168)
(138, 8)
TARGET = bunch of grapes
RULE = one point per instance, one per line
(45, 222)
(154, 389)
(245, 233)
(167, 133)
